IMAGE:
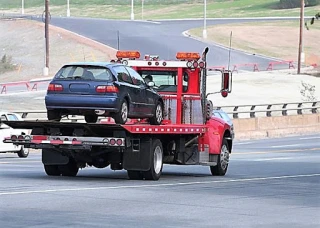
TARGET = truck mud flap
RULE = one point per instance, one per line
(138, 155)
(53, 157)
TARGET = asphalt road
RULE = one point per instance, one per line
(163, 38)
(270, 183)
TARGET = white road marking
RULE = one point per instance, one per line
(315, 137)
(271, 159)
(159, 185)
(243, 143)
(289, 145)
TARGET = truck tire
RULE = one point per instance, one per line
(91, 118)
(223, 161)
(53, 115)
(70, 170)
(121, 117)
(155, 170)
(135, 175)
(157, 115)
(23, 153)
(52, 170)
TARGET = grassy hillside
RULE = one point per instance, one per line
(157, 9)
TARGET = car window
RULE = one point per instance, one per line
(3, 118)
(225, 116)
(217, 114)
(136, 77)
(84, 72)
(122, 74)
(12, 117)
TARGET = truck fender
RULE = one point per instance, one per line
(53, 157)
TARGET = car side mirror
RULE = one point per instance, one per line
(150, 84)
(226, 83)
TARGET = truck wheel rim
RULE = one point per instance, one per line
(159, 113)
(124, 111)
(224, 157)
(157, 159)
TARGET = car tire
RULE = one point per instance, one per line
(223, 160)
(157, 115)
(121, 117)
(23, 152)
(155, 170)
(53, 115)
(52, 170)
(91, 118)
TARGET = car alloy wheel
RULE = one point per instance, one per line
(122, 116)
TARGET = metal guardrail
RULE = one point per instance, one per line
(239, 111)
(282, 109)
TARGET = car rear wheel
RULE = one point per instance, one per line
(53, 115)
(157, 115)
(23, 153)
(121, 117)
(91, 118)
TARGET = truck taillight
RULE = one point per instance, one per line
(55, 87)
(107, 89)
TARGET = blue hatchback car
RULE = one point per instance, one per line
(106, 89)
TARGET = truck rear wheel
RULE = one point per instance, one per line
(223, 161)
(52, 170)
(70, 170)
(156, 161)
(135, 175)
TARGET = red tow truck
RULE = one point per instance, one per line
(188, 135)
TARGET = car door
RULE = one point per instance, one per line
(146, 100)
(5, 131)
(128, 89)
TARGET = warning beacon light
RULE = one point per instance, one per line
(128, 55)
(188, 56)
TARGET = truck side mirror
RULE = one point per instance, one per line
(226, 83)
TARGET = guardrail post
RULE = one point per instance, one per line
(252, 114)
(313, 109)
(299, 110)
(269, 112)
(235, 115)
(284, 111)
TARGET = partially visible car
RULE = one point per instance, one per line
(6, 131)
(223, 115)
(102, 89)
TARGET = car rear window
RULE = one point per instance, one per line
(94, 73)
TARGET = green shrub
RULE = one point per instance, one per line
(288, 4)
(6, 64)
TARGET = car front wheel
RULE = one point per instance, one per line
(157, 115)
(121, 117)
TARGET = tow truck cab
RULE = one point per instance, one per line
(188, 135)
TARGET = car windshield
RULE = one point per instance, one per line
(95, 73)
(165, 81)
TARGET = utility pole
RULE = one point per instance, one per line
(46, 35)
(68, 8)
(301, 35)
(132, 13)
(22, 6)
(204, 32)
